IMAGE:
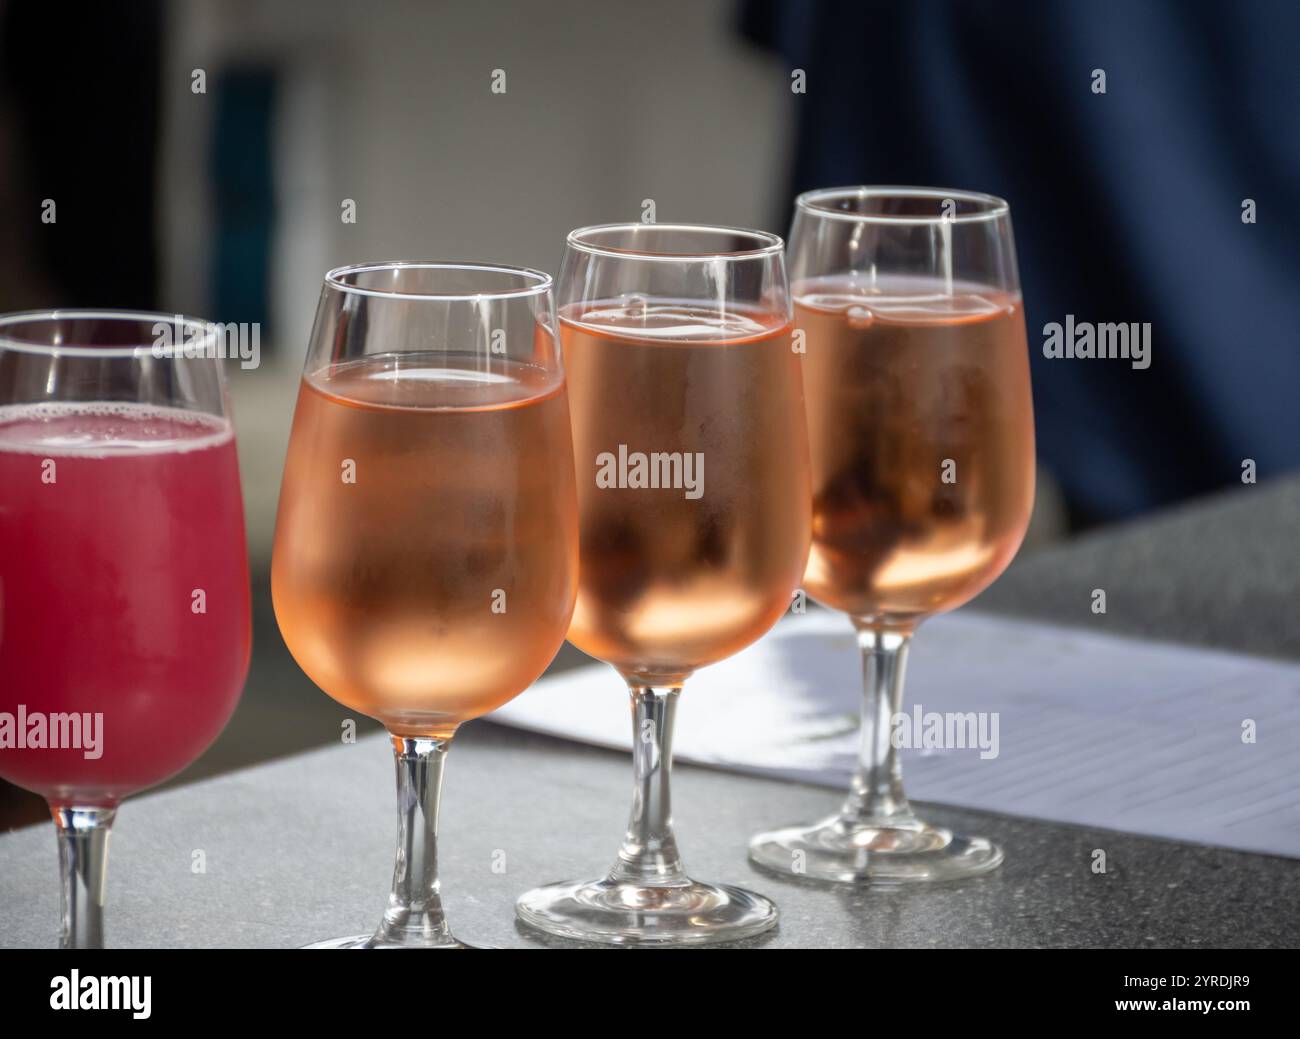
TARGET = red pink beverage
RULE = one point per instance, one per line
(124, 603)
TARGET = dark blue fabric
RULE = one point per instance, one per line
(1127, 205)
(243, 188)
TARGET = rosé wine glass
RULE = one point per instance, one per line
(692, 461)
(426, 548)
(921, 427)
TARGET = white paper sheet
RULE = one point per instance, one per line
(1092, 729)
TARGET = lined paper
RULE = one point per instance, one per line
(1092, 729)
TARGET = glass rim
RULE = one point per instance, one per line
(542, 282)
(30, 317)
(812, 202)
(770, 243)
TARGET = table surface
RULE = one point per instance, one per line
(300, 849)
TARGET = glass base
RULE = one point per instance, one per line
(373, 941)
(850, 852)
(616, 912)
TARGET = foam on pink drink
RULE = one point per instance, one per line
(123, 590)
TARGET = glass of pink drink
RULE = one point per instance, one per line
(124, 600)
(426, 546)
(921, 436)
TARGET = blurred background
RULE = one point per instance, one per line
(202, 155)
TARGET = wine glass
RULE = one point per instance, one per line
(692, 465)
(124, 596)
(426, 548)
(921, 429)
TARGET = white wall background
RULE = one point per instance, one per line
(390, 103)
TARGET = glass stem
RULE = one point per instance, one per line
(414, 916)
(83, 863)
(649, 852)
(876, 795)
